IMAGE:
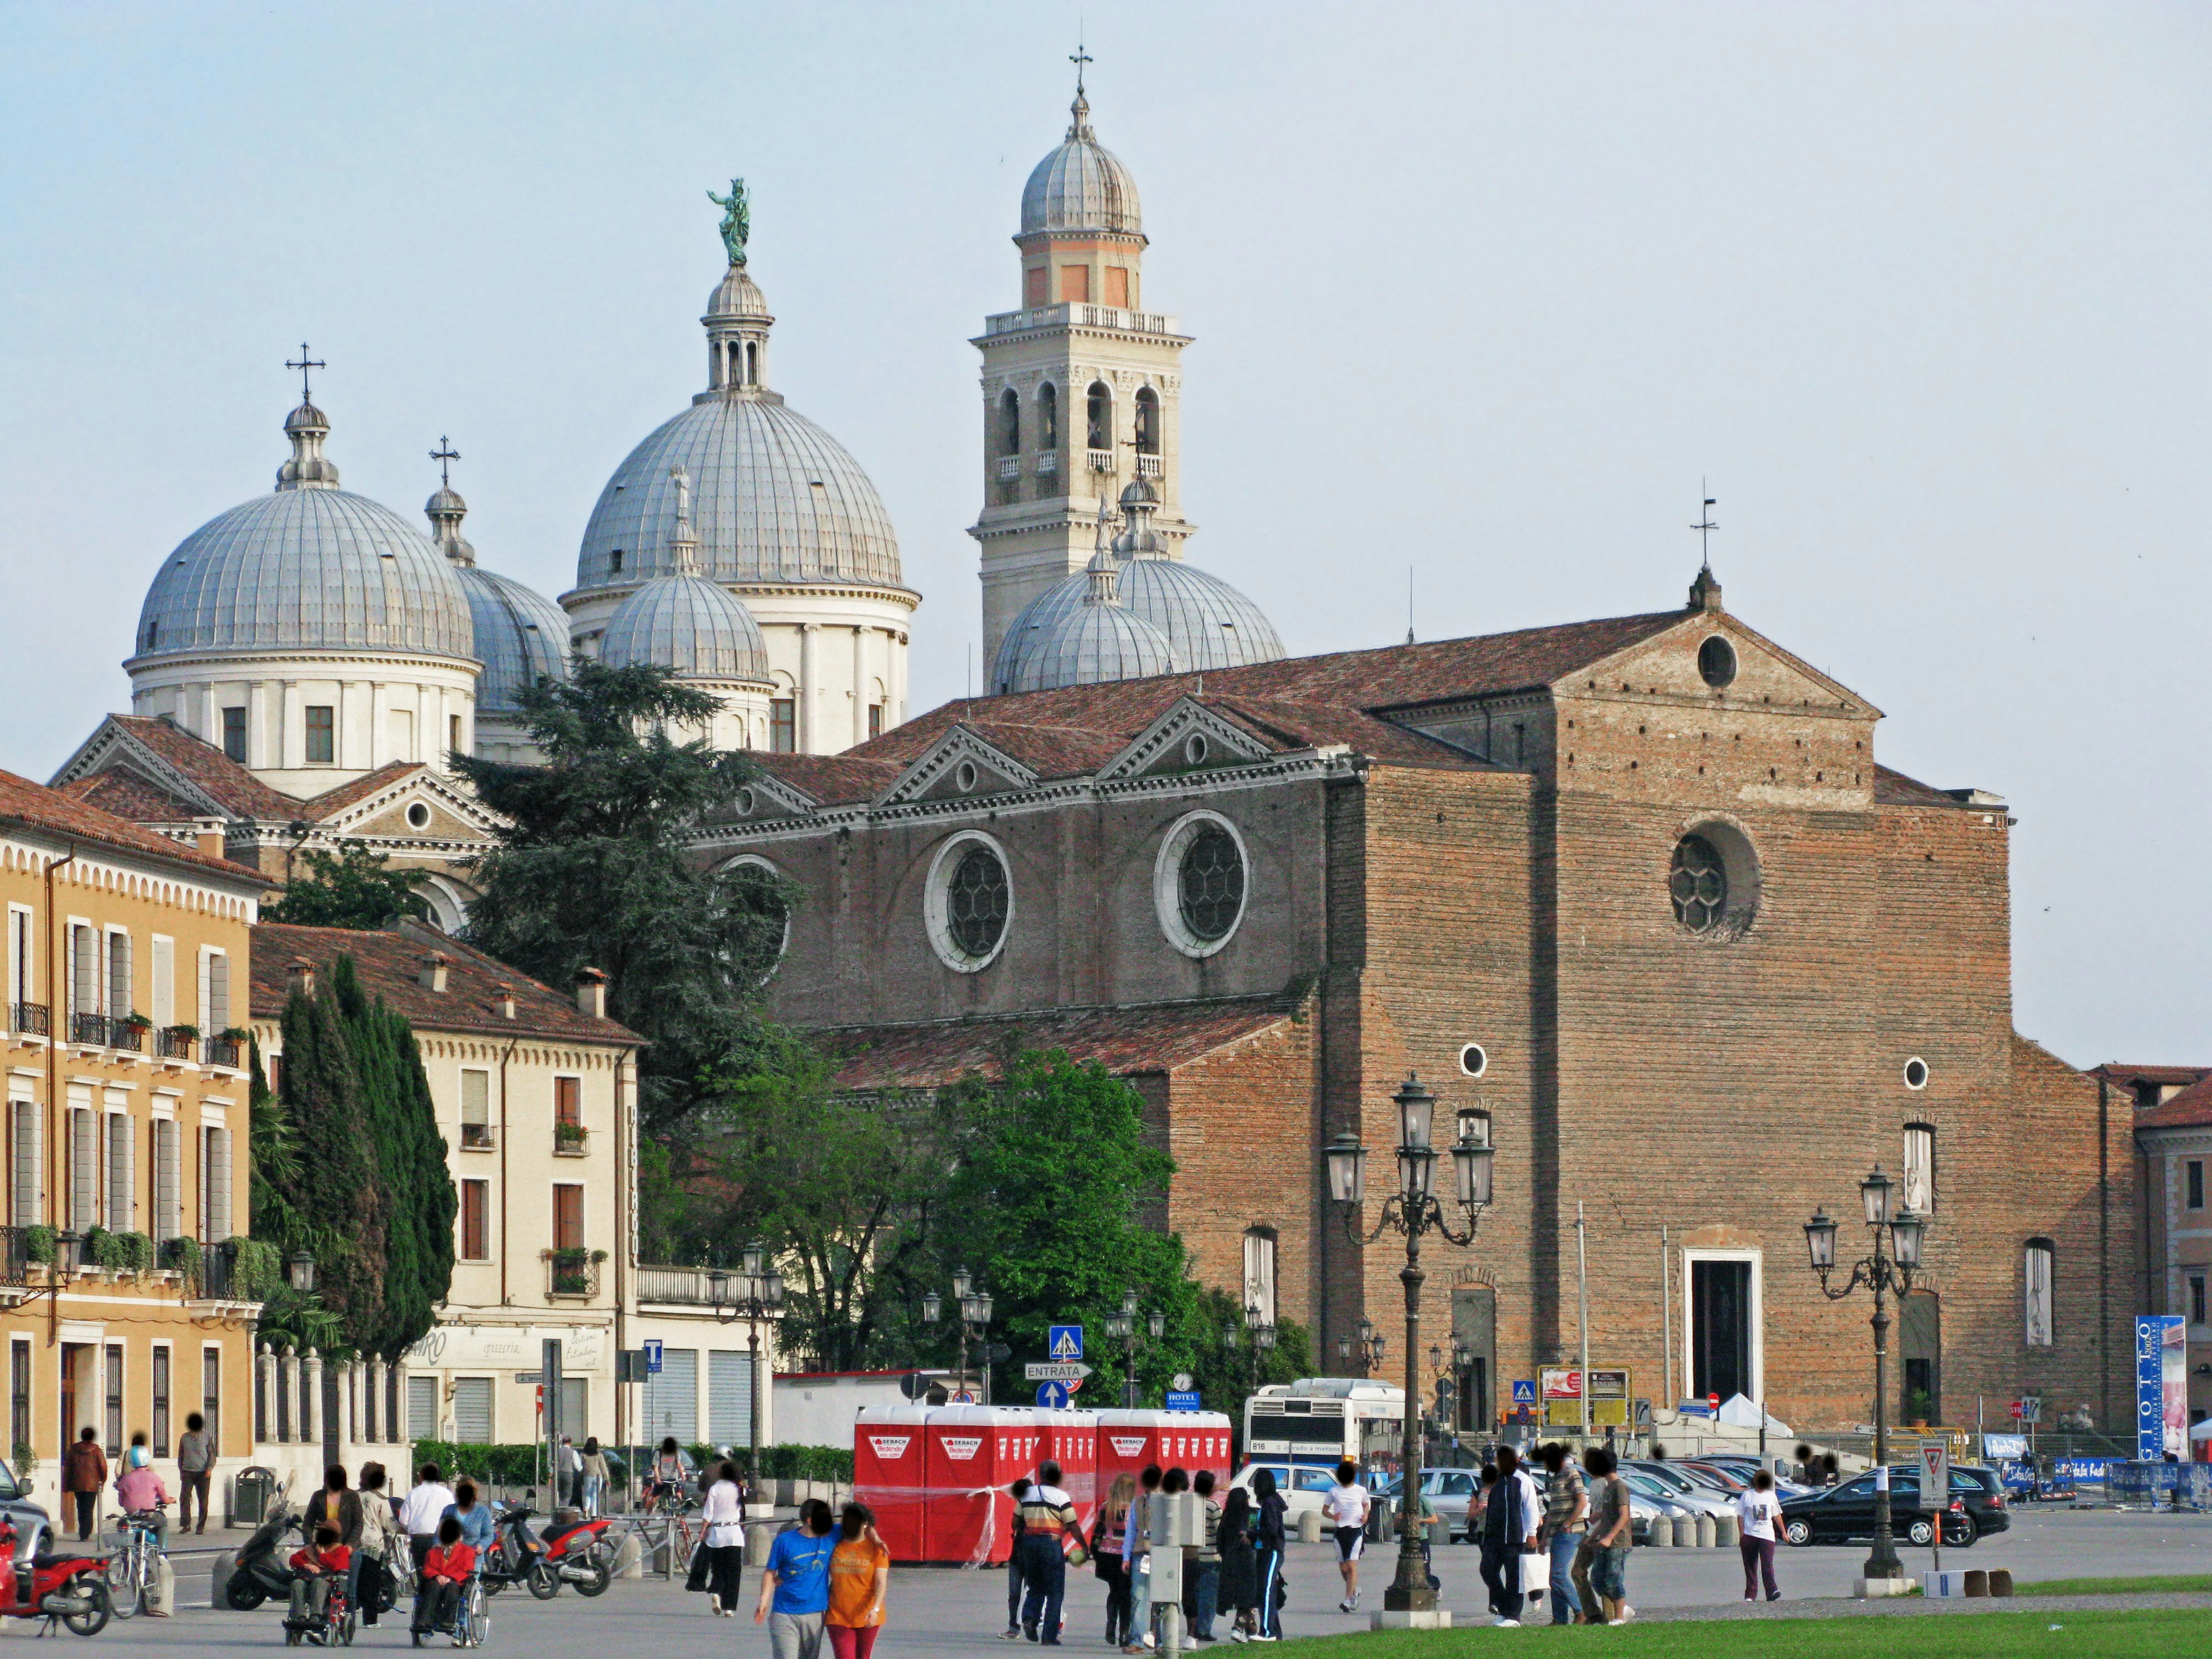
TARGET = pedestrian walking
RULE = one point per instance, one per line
(1345, 1505)
(1108, 1537)
(1048, 1520)
(1268, 1509)
(475, 1517)
(1566, 1522)
(1240, 1595)
(859, 1578)
(1202, 1567)
(195, 1466)
(1017, 1491)
(568, 1471)
(724, 1543)
(419, 1513)
(1136, 1560)
(1609, 1540)
(594, 1478)
(84, 1472)
(1760, 1513)
(381, 1541)
(1512, 1520)
(795, 1594)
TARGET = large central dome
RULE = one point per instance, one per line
(775, 499)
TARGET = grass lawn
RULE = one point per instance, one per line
(1936, 1636)
(2196, 1582)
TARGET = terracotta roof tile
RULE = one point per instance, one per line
(241, 794)
(123, 792)
(1893, 788)
(38, 807)
(390, 963)
(321, 806)
(1126, 1041)
(2191, 1109)
(834, 778)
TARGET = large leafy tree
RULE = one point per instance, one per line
(597, 870)
(358, 888)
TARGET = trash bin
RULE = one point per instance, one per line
(251, 1489)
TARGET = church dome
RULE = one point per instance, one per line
(308, 567)
(688, 623)
(1093, 643)
(1082, 185)
(519, 635)
(1208, 624)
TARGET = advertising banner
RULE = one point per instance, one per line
(2161, 1387)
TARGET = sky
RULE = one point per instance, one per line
(1482, 295)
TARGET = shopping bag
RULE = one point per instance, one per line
(1535, 1573)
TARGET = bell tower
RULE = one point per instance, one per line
(1081, 387)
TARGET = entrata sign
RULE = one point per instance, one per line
(1046, 1371)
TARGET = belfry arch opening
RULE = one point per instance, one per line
(1010, 422)
(1148, 422)
(1099, 417)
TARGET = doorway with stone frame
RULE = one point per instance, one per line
(1920, 1348)
(1474, 1329)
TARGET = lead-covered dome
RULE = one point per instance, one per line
(1082, 185)
(684, 622)
(308, 567)
(1098, 641)
(519, 635)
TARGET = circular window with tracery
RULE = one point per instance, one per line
(1698, 884)
(1212, 883)
(975, 902)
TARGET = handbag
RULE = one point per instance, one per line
(696, 1578)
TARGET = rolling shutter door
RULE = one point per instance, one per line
(422, 1408)
(671, 1399)
(729, 1399)
(472, 1410)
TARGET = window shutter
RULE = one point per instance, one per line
(215, 1226)
(164, 1010)
(84, 1169)
(121, 1188)
(28, 1152)
(205, 1004)
(672, 1398)
(422, 1408)
(218, 994)
(168, 1220)
(119, 1000)
(472, 1410)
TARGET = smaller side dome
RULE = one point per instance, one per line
(738, 297)
(1096, 643)
(521, 637)
(1081, 185)
(689, 625)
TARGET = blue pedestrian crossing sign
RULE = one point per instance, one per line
(652, 1354)
(1524, 1391)
(1064, 1342)
(1053, 1396)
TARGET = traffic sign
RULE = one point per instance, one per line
(1053, 1396)
(1713, 1404)
(1183, 1400)
(964, 1397)
(1935, 1474)
(1524, 1391)
(1046, 1371)
(652, 1352)
(1063, 1341)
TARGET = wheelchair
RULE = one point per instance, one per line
(333, 1628)
(471, 1622)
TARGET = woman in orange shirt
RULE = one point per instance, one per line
(860, 1576)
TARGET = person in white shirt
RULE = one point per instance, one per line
(1345, 1505)
(1760, 1512)
(419, 1511)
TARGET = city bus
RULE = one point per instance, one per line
(1304, 1430)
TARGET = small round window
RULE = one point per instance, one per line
(963, 779)
(1193, 749)
(1198, 882)
(1473, 1061)
(1916, 1073)
(1698, 884)
(1717, 662)
(418, 817)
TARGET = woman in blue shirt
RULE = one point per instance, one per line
(475, 1518)
(795, 1586)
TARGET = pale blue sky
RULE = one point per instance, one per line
(1482, 290)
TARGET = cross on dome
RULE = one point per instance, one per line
(305, 363)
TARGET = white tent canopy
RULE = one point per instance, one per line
(2203, 1430)
(1739, 1412)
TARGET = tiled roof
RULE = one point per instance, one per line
(237, 790)
(1052, 751)
(390, 964)
(834, 778)
(1893, 788)
(2116, 1071)
(123, 792)
(1126, 1041)
(35, 805)
(331, 801)
(2191, 1108)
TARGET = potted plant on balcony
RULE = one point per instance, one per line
(569, 1137)
(177, 1041)
(133, 1028)
(181, 1255)
(39, 1244)
(573, 1269)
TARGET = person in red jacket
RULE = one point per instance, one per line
(446, 1570)
(314, 1569)
(84, 1472)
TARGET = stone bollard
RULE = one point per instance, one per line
(1309, 1527)
(630, 1557)
(219, 1578)
(2000, 1581)
(1686, 1532)
(1658, 1532)
(1705, 1532)
(161, 1596)
(1727, 1531)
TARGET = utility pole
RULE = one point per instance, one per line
(1581, 1295)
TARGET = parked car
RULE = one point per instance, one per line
(1843, 1513)
(1699, 1497)
(1649, 1501)
(1448, 1492)
(1303, 1486)
(1735, 1477)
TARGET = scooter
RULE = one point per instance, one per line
(578, 1555)
(263, 1568)
(72, 1589)
(543, 1561)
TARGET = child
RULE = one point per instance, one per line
(314, 1569)
(445, 1571)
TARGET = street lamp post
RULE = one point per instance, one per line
(1411, 1211)
(974, 1306)
(1121, 1325)
(1881, 1274)
(1367, 1347)
(759, 1297)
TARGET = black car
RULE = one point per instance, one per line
(1845, 1512)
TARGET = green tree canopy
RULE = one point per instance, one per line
(357, 889)
(597, 870)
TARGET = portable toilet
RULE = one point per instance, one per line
(1070, 1438)
(970, 1456)
(1130, 1439)
(887, 1475)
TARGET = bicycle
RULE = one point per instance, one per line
(133, 1568)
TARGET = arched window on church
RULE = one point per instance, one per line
(1101, 417)
(1010, 422)
(752, 362)
(1148, 422)
(1048, 416)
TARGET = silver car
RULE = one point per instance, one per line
(1694, 1495)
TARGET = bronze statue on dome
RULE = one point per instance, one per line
(737, 219)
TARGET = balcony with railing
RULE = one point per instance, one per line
(1101, 460)
(225, 1051)
(213, 1275)
(131, 1036)
(30, 1019)
(1009, 468)
(687, 1287)
(175, 1042)
(571, 1275)
(1148, 467)
(14, 1258)
(571, 1140)
(1047, 463)
(87, 1030)
(1078, 315)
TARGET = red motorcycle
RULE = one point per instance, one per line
(572, 1552)
(72, 1589)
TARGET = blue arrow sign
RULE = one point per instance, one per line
(1053, 1394)
(1064, 1342)
(653, 1351)
(1524, 1391)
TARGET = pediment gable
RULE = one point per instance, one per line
(390, 811)
(960, 765)
(113, 746)
(1167, 745)
(767, 799)
(1669, 666)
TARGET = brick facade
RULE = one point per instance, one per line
(1471, 843)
